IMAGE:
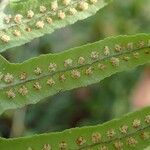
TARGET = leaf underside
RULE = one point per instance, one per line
(28, 29)
(131, 132)
(38, 78)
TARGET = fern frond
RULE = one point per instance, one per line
(29, 19)
(46, 75)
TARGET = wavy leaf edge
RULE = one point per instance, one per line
(127, 132)
(21, 33)
(77, 67)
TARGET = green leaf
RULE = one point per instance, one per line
(148, 148)
(130, 132)
(14, 34)
(38, 78)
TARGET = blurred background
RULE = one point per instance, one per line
(95, 104)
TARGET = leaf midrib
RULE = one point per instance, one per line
(115, 139)
(40, 16)
(71, 68)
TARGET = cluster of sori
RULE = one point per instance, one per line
(117, 139)
(46, 17)
(76, 67)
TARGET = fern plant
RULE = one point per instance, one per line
(33, 80)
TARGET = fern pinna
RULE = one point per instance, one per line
(33, 80)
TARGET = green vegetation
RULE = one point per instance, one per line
(30, 81)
